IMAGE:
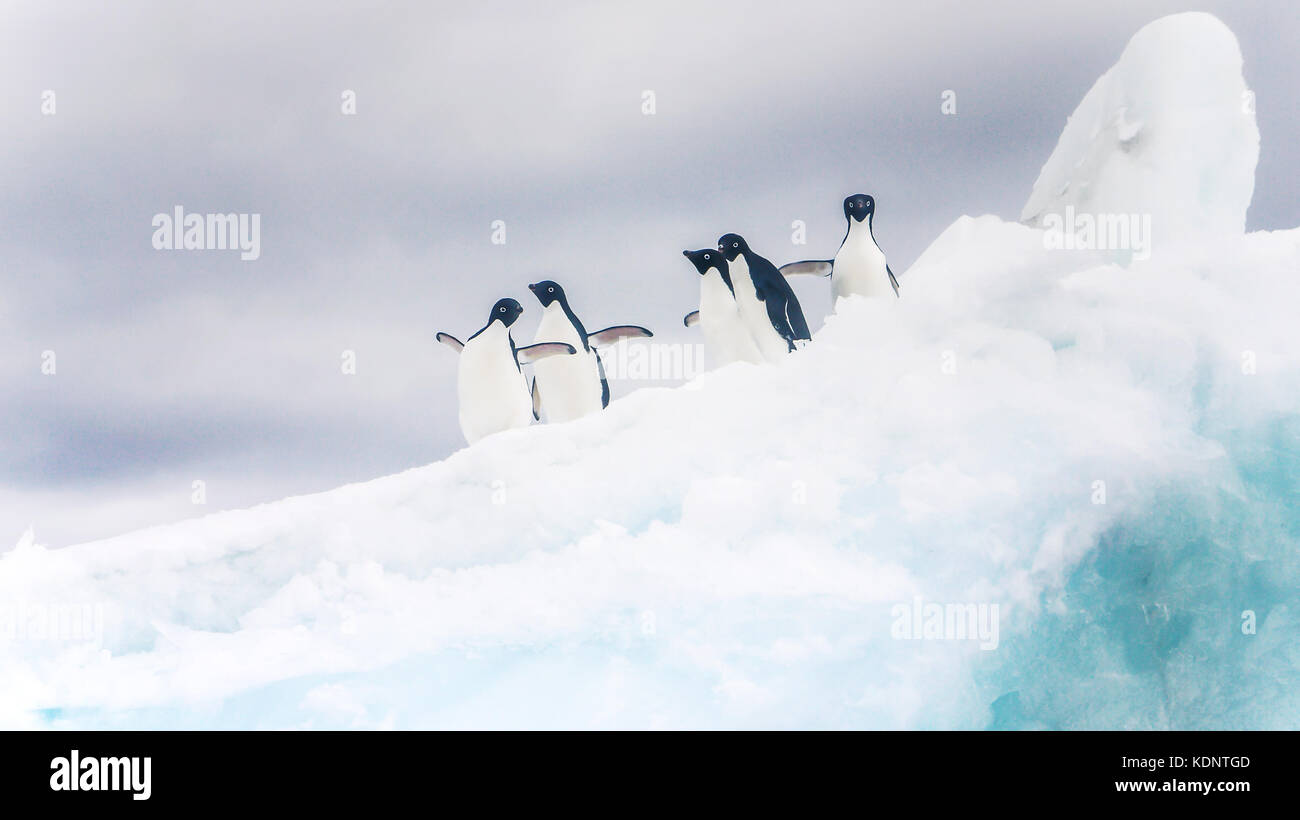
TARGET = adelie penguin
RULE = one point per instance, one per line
(859, 266)
(767, 304)
(726, 337)
(569, 387)
(490, 383)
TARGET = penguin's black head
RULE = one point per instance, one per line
(732, 245)
(547, 291)
(706, 260)
(505, 311)
(859, 206)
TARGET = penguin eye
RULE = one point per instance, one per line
(735, 244)
(550, 290)
(850, 205)
(706, 256)
(503, 310)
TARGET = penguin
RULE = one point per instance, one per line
(490, 382)
(725, 334)
(572, 386)
(859, 266)
(766, 302)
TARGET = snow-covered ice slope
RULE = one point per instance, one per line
(1109, 455)
(1169, 131)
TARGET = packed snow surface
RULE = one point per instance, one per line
(1108, 455)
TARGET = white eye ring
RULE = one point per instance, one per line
(503, 310)
(735, 244)
(550, 290)
(706, 256)
(850, 204)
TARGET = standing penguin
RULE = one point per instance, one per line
(572, 386)
(859, 266)
(725, 334)
(767, 304)
(490, 383)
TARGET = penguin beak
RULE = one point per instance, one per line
(687, 254)
(532, 287)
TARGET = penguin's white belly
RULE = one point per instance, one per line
(493, 393)
(569, 385)
(860, 270)
(754, 314)
(725, 335)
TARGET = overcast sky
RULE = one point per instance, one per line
(176, 366)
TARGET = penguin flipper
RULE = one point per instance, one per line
(618, 333)
(537, 402)
(776, 314)
(543, 350)
(604, 383)
(809, 267)
(691, 319)
(451, 341)
(892, 280)
(794, 315)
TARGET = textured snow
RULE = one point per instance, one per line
(731, 553)
(1169, 131)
